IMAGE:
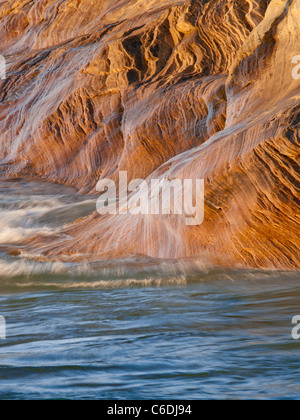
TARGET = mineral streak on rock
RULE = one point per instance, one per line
(179, 89)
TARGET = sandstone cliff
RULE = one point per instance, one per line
(178, 89)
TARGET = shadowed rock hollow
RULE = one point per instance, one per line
(179, 89)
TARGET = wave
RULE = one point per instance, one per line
(21, 274)
(28, 209)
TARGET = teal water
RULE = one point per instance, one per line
(137, 329)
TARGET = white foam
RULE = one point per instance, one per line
(22, 267)
(23, 273)
(112, 283)
(17, 225)
(23, 216)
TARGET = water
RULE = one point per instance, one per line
(136, 329)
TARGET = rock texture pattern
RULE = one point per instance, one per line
(179, 89)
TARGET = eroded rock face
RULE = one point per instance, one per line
(177, 89)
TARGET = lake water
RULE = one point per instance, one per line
(140, 328)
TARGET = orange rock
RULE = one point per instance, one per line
(189, 89)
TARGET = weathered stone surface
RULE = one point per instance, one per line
(95, 87)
